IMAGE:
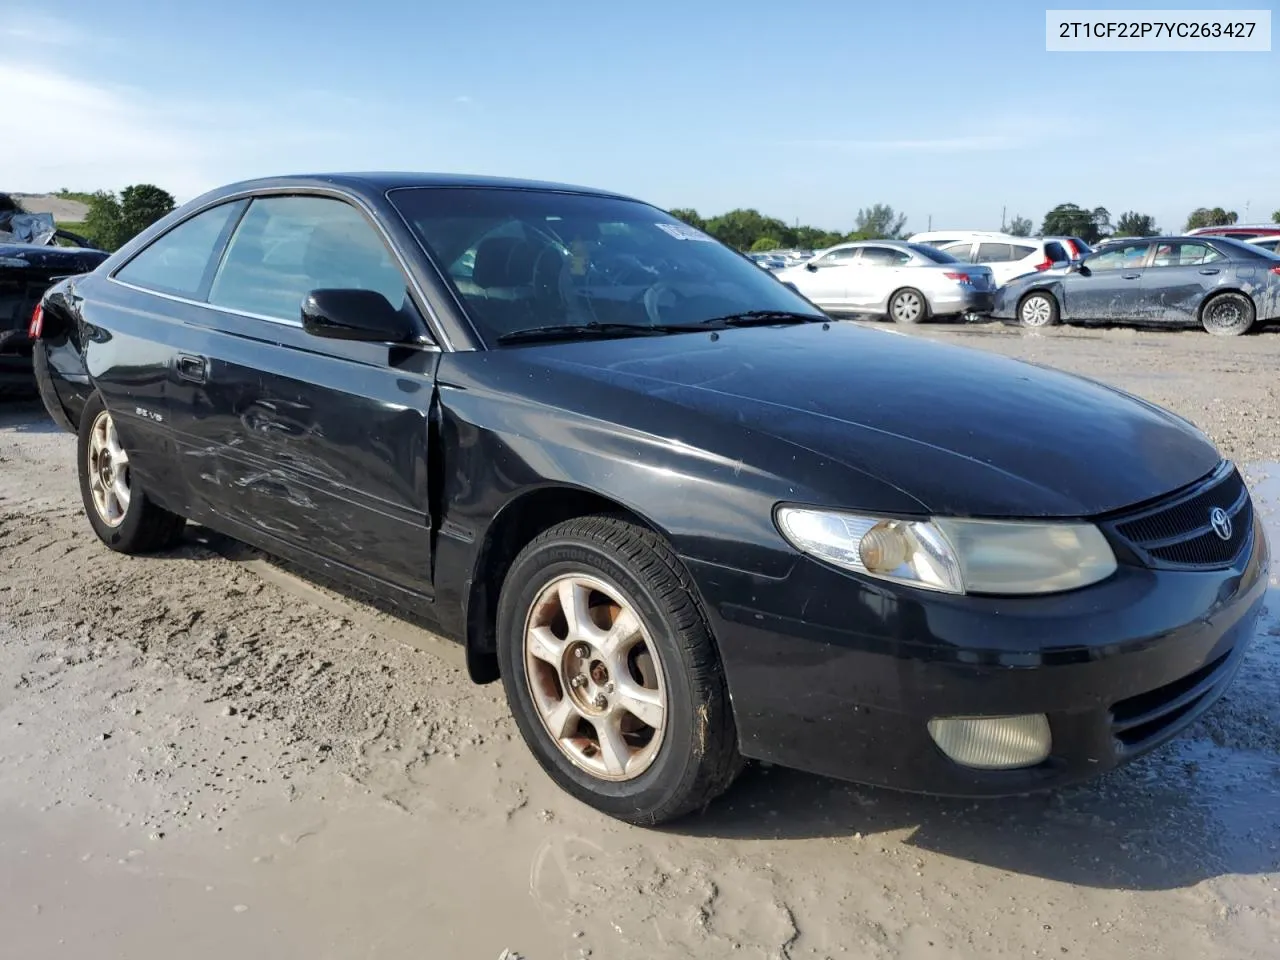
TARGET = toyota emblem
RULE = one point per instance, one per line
(1220, 522)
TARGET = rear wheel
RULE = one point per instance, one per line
(121, 514)
(908, 306)
(1038, 310)
(611, 673)
(1228, 314)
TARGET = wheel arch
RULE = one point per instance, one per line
(1214, 294)
(522, 518)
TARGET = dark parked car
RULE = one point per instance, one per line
(27, 270)
(1224, 285)
(684, 517)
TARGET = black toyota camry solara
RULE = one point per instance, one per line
(682, 515)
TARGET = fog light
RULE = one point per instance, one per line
(993, 743)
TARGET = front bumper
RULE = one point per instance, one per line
(839, 676)
(964, 301)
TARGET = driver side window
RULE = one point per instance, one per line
(1128, 256)
(837, 258)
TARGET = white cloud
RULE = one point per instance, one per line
(85, 134)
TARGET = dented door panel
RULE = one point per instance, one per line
(318, 443)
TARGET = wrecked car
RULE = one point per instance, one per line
(29, 264)
(683, 516)
(1226, 286)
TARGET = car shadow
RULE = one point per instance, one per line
(26, 416)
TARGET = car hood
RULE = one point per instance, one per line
(962, 431)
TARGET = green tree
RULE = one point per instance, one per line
(141, 205)
(689, 216)
(765, 243)
(1070, 220)
(1210, 217)
(1275, 217)
(741, 228)
(113, 221)
(102, 224)
(1134, 224)
(1020, 227)
(879, 222)
(1101, 224)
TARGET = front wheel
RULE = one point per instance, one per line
(1228, 315)
(121, 514)
(612, 674)
(1038, 310)
(908, 306)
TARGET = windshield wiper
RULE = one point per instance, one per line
(571, 331)
(763, 318)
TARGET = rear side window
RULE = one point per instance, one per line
(884, 257)
(285, 247)
(1055, 252)
(960, 249)
(995, 253)
(1184, 254)
(179, 261)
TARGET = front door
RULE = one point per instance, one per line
(317, 443)
(1108, 285)
(826, 282)
(875, 275)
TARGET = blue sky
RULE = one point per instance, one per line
(803, 110)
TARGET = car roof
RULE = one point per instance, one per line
(383, 181)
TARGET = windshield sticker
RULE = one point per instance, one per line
(682, 231)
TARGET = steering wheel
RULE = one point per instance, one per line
(651, 298)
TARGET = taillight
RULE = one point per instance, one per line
(37, 322)
(962, 277)
(1045, 265)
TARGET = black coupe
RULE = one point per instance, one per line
(683, 516)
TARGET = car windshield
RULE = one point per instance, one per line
(522, 261)
(932, 253)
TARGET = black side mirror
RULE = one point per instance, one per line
(363, 315)
(811, 267)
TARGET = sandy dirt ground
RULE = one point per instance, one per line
(203, 755)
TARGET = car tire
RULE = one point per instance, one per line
(908, 306)
(1037, 310)
(121, 514)
(647, 648)
(1228, 314)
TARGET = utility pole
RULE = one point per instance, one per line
(1002, 213)
(930, 227)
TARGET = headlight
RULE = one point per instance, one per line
(952, 555)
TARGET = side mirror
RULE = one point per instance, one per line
(811, 266)
(363, 315)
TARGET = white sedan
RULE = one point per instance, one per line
(910, 282)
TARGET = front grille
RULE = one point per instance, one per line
(1141, 719)
(1179, 532)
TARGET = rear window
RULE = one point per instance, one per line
(178, 263)
(1056, 251)
(932, 253)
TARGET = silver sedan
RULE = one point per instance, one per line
(910, 282)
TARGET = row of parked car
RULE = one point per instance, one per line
(1226, 279)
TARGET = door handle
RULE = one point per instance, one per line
(1209, 270)
(192, 368)
(1130, 276)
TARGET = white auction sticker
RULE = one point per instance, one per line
(1153, 31)
(682, 231)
